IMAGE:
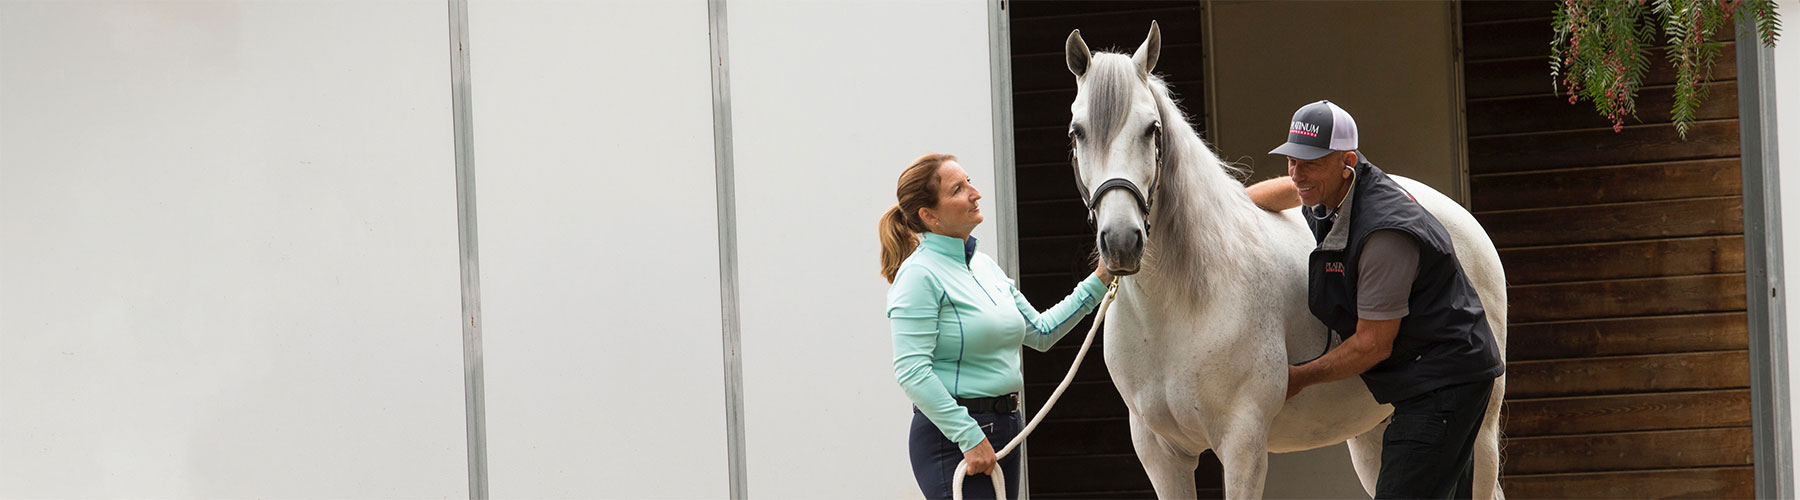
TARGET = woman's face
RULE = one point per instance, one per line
(958, 210)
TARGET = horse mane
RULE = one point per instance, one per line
(1205, 231)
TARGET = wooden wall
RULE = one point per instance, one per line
(1083, 449)
(1624, 253)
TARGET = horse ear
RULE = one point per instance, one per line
(1147, 53)
(1076, 51)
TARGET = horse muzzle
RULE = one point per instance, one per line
(1122, 249)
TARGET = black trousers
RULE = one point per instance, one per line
(934, 457)
(1428, 450)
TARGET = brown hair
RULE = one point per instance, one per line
(900, 226)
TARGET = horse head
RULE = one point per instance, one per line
(1116, 135)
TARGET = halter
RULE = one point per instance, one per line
(1144, 199)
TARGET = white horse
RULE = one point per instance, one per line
(1214, 307)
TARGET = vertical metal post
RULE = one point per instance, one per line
(1459, 111)
(1771, 420)
(725, 182)
(474, 399)
(1005, 172)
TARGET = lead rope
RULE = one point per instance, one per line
(999, 478)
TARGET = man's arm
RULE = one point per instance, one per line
(1372, 343)
(1275, 194)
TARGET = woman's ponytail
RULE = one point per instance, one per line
(897, 241)
(900, 226)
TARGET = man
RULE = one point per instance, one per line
(1386, 278)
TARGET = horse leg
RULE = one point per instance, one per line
(1487, 447)
(1245, 455)
(1365, 455)
(1171, 470)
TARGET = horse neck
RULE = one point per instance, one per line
(1205, 236)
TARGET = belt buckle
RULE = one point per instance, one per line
(1007, 404)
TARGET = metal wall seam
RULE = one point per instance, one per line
(1771, 417)
(1006, 173)
(1459, 114)
(725, 182)
(1005, 170)
(468, 245)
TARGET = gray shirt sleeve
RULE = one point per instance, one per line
(1385, 272)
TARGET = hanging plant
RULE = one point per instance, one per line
(1601, 50)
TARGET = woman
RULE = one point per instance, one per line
(958, 323)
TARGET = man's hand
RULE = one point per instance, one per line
(1372, 343)
(1275, 194)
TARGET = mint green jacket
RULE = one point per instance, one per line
(958, 323)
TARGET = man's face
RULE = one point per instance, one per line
(1321, 181)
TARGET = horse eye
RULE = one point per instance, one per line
(1075, 132)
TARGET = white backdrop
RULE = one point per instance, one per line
(831, 100)
(230, 264)
(599, 249)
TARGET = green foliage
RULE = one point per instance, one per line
(1601, 50)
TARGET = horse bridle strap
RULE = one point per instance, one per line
(1120, 183)
(1144, 199)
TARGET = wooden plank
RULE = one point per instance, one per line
(1109, 473)
(1047, 183)
(1597, 185)
(1055, 218)
(1531, 38)
(1111, 495)
(1050, 367)
(1548, 112)
(1028, 9)
(1627, 336)
(1628, 374)
(1626, 412)
(1119, 31)
(1081, 437)
(1632, 259)
(1050, 70)
(1627, 451)
(1476, 11)
(1051, 109)
(1586, 148)
(1512, 38)
(1042, 146)
(1712, 482)
(1613, 222)
(1624, 298)
(1531, 75)
(1060, 255)
(1083, 400)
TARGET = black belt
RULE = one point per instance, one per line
(998, 404)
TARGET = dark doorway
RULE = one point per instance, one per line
(1083, 449)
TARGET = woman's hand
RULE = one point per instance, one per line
(981, 458)
(1106, 278)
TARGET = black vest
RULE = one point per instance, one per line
(1444, 339)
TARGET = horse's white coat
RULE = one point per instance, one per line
(1200, 337)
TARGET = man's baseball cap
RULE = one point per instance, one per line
(1318, 129)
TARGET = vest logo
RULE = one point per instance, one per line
(1334, 267)
(1303, 128)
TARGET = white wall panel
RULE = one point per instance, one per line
(599, 251)
(229, 240)
(831, 101)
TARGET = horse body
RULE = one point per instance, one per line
(1214, 307)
